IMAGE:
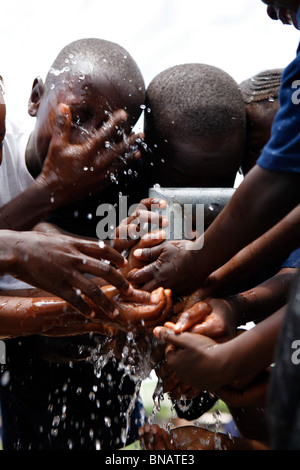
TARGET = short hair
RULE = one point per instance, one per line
(194, 100)
(106, 58)
(263, 86)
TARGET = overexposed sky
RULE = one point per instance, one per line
(235, 35)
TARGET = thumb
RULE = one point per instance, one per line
(62, 128)
(169, 336)
(148, 254)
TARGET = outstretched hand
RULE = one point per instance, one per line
(57, 264)
(139, 223)
(72, 171)
(149, 240)
(163, 260)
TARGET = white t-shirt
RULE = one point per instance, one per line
(14, 178)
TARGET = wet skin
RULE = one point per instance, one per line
(90, 101)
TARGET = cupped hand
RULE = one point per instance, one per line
(215, 318)
(140, 309)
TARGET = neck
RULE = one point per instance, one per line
(31, 157)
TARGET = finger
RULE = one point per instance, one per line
(150, 312)
(68, 294)
(149, 202)
(144, 204)
(127, 149)
(180, 306)
(107, 131)
(143, 275)
(199, 295)
(108, 273)
(155, 218)
(120, 156)
(148, 254)
(169, 325)
(168, 336)
(101, 250)
(150, 286)
(207, 328)
(93, 292)
(151, 239)
(62, 127)
(122, 230)
(139, 296)
(196, 314)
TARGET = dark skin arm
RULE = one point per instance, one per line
(262, 199)
(218, 318)
(280, 240)
(32, 311)
(192, 438)
(221, 364)
(57, 264)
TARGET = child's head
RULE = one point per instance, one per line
(93, 77)
(284, 10)
(260, 95)
(194, 126)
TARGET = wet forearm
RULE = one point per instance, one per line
(263, 300)
(255, 348)
(27, 209)
(23, 316)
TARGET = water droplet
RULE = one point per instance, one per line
(5, 378)
(107, 421)
(98, 445)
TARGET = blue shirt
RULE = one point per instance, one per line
(282, 152)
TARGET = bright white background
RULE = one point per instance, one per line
(236, 35)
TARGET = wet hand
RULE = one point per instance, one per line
(147, 241)
(197, 360)
(171, 265)
(139, 223)
(72, 171)
(214, 318)
(57, 264)
(140, 309)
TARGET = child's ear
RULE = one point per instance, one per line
(37, 92)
